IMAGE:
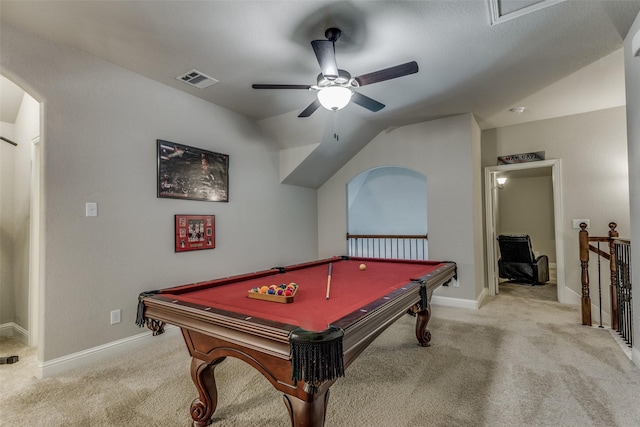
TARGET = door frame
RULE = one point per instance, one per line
(490, 193)
(36, 246)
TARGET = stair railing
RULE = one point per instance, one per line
(394, 246)
(620, 279)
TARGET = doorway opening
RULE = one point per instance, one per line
(492, 213)
(21, 217)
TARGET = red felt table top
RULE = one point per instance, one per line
(350, 290)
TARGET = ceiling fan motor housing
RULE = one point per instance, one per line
(333, 34)
(343, 79)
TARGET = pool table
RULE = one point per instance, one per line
(301, 346)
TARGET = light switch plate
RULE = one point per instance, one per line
(115, 316)
(91, 209)
(577, 222)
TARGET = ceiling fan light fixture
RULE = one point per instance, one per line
(334, 97)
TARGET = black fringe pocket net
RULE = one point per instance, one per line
(317, 356)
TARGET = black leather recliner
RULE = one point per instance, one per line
(518, 261)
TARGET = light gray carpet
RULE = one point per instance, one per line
(518, 361)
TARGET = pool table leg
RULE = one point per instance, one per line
(203, 407)
(307, 414)
(422, 333)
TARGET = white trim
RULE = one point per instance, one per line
(496, 18)
(572, 297)
(635, 356)
(635, 44)
(489, 178)
(36, 238)
(623, 345)
(101, 352)
(459, 302)
(12, 329)
(558, 216)
(490, 231)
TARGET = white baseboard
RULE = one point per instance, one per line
(12, 329)
(460, 302)
(96, 354)
(571, 297)
(635, 356)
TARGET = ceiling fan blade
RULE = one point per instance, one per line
(277, 86)
(388, 73)
(310, 109)
(326, 53)
(366, 102)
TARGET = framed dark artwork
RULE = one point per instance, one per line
(192, 173)
(195, 232)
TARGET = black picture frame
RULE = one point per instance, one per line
(191, 173)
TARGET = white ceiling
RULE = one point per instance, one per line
(534, 57)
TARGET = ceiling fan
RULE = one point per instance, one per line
(335, 86)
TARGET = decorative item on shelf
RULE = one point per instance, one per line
(192, 173)
(194, 232)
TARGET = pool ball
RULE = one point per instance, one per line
(363, 267)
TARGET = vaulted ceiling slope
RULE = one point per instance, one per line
(479, 56)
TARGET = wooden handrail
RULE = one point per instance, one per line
(583, 238)
(585, 247)
(387, 236)
(600, 252)
(613, 288)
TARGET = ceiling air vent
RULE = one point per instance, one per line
(197, 79)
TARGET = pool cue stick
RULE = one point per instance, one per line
(329, 279)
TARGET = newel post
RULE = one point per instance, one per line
(613, 234)
(584, 265)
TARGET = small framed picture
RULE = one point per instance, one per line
(194, 232)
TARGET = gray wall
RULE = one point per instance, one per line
(632, 80)
(447, 152)
(387, 200)
(100, 127)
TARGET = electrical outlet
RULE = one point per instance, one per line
(577, 222)
(456, 283)
(115, 316)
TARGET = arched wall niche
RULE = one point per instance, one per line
(387, 200)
